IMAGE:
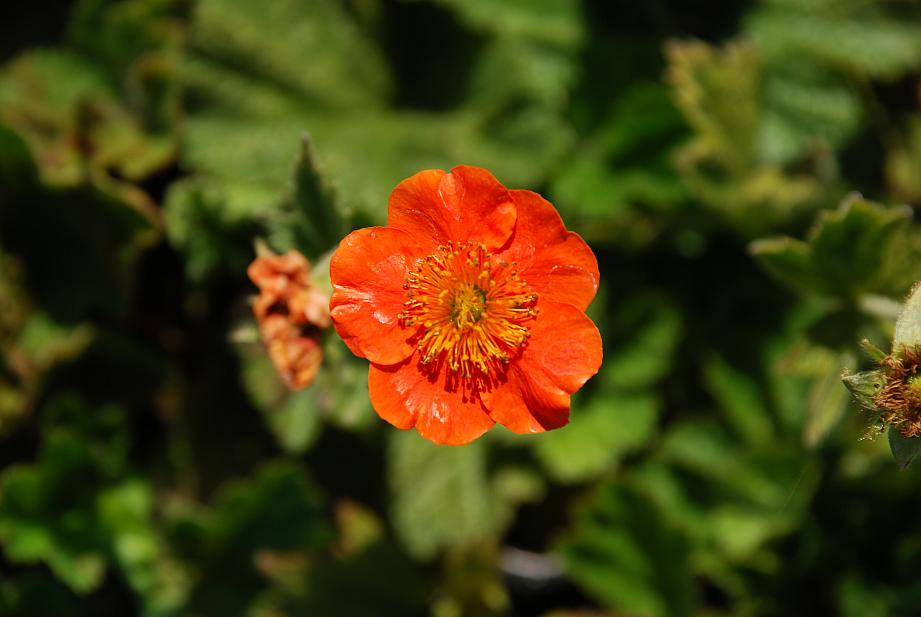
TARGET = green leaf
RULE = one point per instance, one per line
(647, 329)
(720, 93)
(851, 246)
(277, 508)
(613, 182)
(626, 555)
(77, 130)
(17, 169)
(701, 77)
(126, 38)
(903, 162)
(294, 417)
(827, 400)
(312, 221)
(904, 449)
(851, 251)
(762, 476)
(275, 512)
(598, 436)
(733, 501)
(789, 260)
(806, 107)
(740, 399)
(212, 222)
(345, 70)
(857, 37)
(440, 496)
(48, 510)
(512, 69)
(126, 511)
(558, 22)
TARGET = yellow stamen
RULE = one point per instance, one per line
(474, 312)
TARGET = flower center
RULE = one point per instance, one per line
(474, 311)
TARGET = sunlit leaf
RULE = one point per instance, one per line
(439, 494)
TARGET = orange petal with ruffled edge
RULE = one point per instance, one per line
(466, 204)
(564, 351)
(556, 263)
(405, 397)
(367, 272)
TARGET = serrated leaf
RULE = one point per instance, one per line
(850, 251)
(904, 449)
(701, 77)
(851, 245)
(312, 221)
(720, 93)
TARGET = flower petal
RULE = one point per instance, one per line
(405, 396)
(466, 204)
(368, 271)
(556, 263)
(564, 351)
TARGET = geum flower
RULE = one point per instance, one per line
(470, 306)
(291, 313)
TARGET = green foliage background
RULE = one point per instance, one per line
(152, 464)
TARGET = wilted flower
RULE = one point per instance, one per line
(898, 397)
(291, 313)
(470, 306)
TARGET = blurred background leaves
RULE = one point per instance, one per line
(745, 172)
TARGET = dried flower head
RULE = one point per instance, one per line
(292, 313)
(898, 400)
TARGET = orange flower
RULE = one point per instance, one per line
(470, 306)
(291, 312)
